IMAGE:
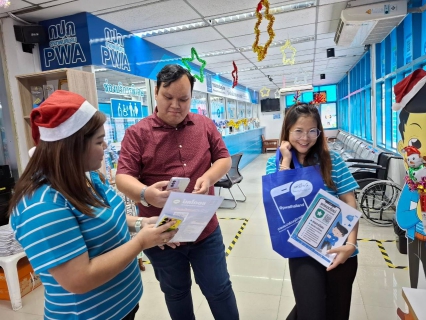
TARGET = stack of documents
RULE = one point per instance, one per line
(8, 244)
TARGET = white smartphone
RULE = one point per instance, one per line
(178, 184)
(277, 192)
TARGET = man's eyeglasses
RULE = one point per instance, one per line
(311, 134)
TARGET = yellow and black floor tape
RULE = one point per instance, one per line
(233, 242)
(384, 253)
(237, 236)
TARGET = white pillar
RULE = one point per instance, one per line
(17, 62)
(373, 95)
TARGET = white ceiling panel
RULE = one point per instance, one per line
(173, 12)
(331, 11)
(219, 8)
(201, 47)
(225, 58)
(329, 26)
(324, 2)
(45, 4)
(185, 37)
(14, 5)
(282, 21)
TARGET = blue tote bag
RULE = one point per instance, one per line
(286, 196)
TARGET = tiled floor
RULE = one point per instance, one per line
(260, 277)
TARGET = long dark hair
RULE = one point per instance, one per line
(61, 165)
(319, 152)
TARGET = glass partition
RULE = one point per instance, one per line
(241, 110)
(199, 103)
(217, 108)
(231, 107)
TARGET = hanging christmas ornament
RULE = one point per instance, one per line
(234, 75)
(292, 55)
(262, 50)
(277, 94)
(283, 82)
(305, 78)
(186, 62)
(296, 98)
(264, 92)
(4, 3)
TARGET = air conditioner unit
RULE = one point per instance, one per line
(369, 24)
(304, 87)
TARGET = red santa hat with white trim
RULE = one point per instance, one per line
(60, 116)
(406, 89)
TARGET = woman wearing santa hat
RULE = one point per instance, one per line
(71, 224)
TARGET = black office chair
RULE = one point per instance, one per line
(233, 177)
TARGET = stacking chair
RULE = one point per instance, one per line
(269, 144)
(233, 177)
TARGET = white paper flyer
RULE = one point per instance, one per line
(325, 225)
(192, 212)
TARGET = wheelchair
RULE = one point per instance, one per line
(377, 197)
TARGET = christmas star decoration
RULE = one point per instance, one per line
(264, 92)
(234, 75)
(305, 78)
(288, 46)
(277, 94)
(194, 55)
(262, 50)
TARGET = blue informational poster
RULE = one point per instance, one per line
(325, 225)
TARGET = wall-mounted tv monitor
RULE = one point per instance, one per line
(270, 105)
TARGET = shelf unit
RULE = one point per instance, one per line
(80, 82)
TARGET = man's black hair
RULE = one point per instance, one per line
(341, 228)
(416, 105)
(171, 73)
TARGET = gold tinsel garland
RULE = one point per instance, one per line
(262, 50)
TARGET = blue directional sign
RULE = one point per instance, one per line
(127, 109)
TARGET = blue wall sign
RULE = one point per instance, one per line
(127, 109)
(68, 44)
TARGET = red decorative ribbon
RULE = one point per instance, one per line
(234, 75)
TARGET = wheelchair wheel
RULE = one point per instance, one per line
(378, 201)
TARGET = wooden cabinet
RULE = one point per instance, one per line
(80, 82)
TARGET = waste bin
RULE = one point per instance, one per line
(401, 240)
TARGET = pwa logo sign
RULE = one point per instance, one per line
(64, 48)
(113, 50)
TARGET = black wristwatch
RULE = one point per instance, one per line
(143, 201)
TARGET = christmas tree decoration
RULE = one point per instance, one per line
(284, 49)
(194, 55)
(262, 50)
(234, 75)
(264, 92)
(4, 3)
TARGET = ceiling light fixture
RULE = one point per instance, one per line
(225, 20)
(265, 67)
(306, 87)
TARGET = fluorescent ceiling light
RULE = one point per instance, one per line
(225, 20)
(305, 87)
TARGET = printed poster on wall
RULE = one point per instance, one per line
(217, 108)
(328, 115)
(241, 110)
(232, 109)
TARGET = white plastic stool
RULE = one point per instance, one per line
(10, 268)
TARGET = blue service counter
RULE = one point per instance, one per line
(248, 142)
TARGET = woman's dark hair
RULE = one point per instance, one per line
(341, 228)
(171, 73)
(60, 164)
(319, 152)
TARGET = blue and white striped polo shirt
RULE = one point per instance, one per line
(53, 232)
